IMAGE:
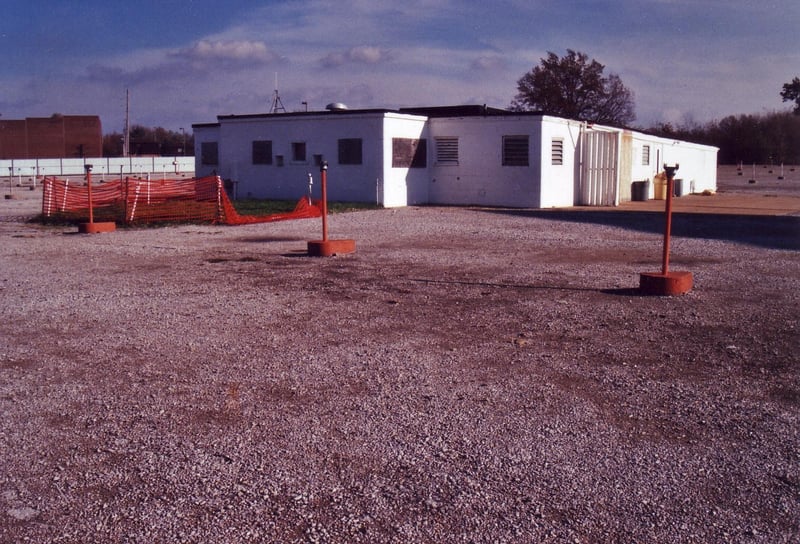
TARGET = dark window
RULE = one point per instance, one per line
(646, 155)
(446, 150)
(350, 151)
(299, 151)
(557, 151)
(318, 160)
(278, 160)
(262, 152)
(409, 153)
(515, 151)
(209, 154)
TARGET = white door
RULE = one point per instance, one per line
(598, 177)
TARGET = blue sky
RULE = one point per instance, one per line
(188, 61)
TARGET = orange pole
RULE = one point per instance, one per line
(88, 168)
(324, 182)
(670, 170)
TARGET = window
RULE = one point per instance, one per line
(557, 151)
(209, 154)
(645, 155)
(298, 152)
(409, 153)
(318, 160)
(278, 160)
(446, 151)
(350, 151)
(515, 151)
(262, 152)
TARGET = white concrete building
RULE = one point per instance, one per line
(463, 155)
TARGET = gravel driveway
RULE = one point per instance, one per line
(468, 375)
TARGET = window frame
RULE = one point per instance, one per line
(512, 156)
(262, 156)
(409, 153)
(209, 153)
(296, 147)
(351, 151)
(447, 150)
(557, 151)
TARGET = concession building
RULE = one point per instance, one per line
(448, 155)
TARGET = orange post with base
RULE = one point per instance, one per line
(327, 247)
(91, 227)
(666, 283)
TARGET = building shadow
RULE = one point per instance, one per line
(771, 232)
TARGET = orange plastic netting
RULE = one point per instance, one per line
(142, 201)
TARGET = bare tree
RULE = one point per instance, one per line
(575, 87)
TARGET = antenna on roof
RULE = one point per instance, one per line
(277, 103)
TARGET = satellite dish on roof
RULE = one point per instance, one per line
(335, 106)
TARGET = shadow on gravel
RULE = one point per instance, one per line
(269, 239)
(773, 232)
(624, 292)
(619, 292)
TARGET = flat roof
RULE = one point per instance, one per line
(464, 110)
(468, 110)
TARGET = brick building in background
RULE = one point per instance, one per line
(58, 136)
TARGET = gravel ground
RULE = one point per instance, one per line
(468, 375)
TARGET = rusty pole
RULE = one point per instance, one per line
(670, 170)
(324, 181)
(88, 168)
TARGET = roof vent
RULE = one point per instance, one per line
(336, 106)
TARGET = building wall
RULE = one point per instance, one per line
(373, 180)
(13, 139)
(205, 134)
(285, 177)
(479, 177)
(59, 136)
(552, 176)
(403, 185)
(559, 182)
(698, 163)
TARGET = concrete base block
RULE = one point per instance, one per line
(665, 285)
(329, 248)
(96, 228)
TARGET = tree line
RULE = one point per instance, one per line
(770, 138)
(156, 141)
(575, 86)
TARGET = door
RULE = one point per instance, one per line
(598, 176)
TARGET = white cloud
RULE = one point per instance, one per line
(489, 64)
(238, 50)
(365, 54)
(242, 51)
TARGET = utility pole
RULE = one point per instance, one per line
(126, 138)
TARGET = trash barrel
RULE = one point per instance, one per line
(640, 191)
(660, 187)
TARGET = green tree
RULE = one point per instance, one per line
(575, 87)
(791, 93)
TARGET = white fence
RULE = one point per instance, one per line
(101, 167)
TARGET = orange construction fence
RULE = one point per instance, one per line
(141, 201)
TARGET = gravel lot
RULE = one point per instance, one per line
(468, 375)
